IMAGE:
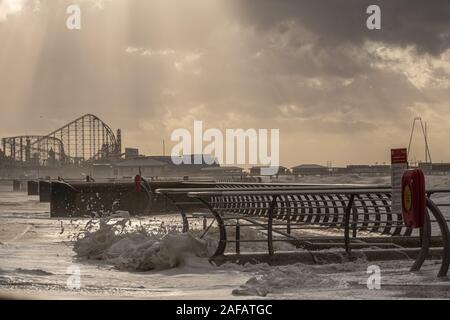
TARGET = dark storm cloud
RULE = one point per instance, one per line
(425, 24)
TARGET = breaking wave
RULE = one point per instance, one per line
(137, 248)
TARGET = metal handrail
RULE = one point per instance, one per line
(256, 189)
(244, 200)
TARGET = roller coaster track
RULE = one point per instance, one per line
(85, 139)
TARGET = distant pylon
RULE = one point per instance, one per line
(425, 138)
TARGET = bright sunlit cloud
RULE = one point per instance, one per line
(10, 7)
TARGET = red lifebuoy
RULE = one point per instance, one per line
(137, 183)
(413, 198)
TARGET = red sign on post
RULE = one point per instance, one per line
(399, 155)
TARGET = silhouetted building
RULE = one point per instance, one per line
(310, 169)
(152, 166)
(131, 153)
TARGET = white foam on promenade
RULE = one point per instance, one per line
(116, 241)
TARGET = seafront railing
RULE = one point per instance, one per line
(352, 217)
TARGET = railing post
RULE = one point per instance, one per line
(222, 229)
(355, 222)
(270, 225)
(182, 213)
(425, 241)
(238, 237)
(440, 219)
(347, 223)
(288, 220)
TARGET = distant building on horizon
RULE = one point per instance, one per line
(310, 169)
(150, 166)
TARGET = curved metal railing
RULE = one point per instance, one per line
(285, 212)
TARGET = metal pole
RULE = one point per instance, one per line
(426, 148)
(426, 143)
(411, 136)
(21, 149)
(238, 237)
(427, 151)
(270, 225)
(425, 240)
(182, 213)
(76, 139)
(90, 138)
(347, 223)
(82, 139)
(68, 140)
(440, 219)
(222, 229)
(288, 221)
(99, 146)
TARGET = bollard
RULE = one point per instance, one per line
(33, 188)
(205, 223)
(63, 199)
(45, 189)
(16, 185)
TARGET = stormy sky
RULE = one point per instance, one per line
(336, 90)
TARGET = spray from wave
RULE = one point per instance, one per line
(116, 241)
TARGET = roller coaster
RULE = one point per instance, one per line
(81, 141)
